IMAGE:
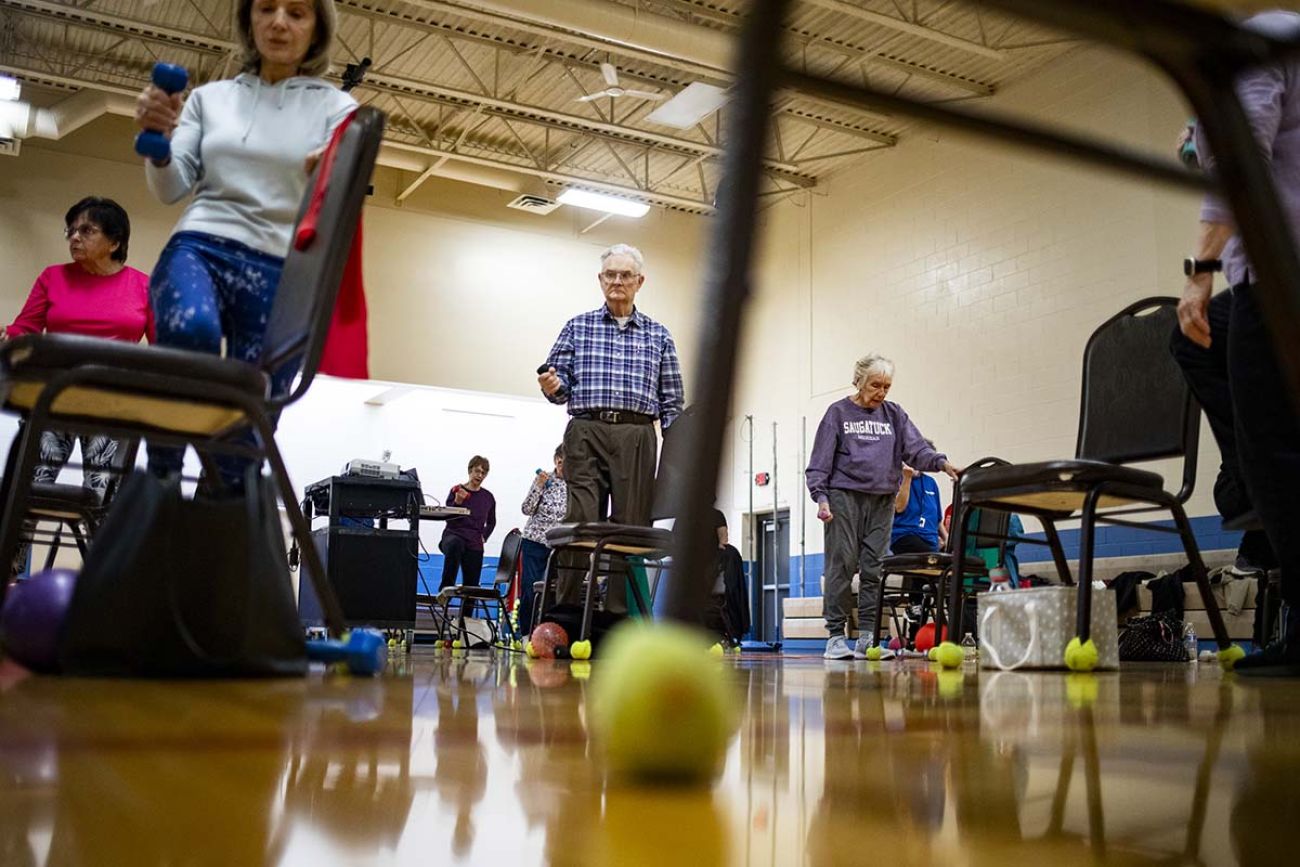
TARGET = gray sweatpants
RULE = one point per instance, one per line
(857, 537)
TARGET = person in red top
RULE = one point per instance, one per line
(96, 295)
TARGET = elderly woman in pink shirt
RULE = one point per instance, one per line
(97, 295)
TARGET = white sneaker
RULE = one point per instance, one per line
(864, 644)
(838, 648)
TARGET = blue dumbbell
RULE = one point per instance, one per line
(365, 651)
(169, 78)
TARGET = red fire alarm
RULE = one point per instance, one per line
(762, 479)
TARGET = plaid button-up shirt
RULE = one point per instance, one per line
(602, 366)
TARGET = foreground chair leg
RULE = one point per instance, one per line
(23, 464)
(1081, 652)
(1058, 552)
(590, 602)
(312, 564)
(539, 604)
(951, 581)
(1229, 653)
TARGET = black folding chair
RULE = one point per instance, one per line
(928, 573)
(608, 546)
(1136, 406)
(76, 508)
(491, 596)
(178, 397)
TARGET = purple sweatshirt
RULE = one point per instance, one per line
(1271, 98)
(477, 526)
(863, 450)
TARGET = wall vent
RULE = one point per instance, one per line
(534, 204)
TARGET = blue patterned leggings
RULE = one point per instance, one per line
(203, 289)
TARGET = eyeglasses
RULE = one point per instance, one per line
(618, 276)
(85, 230)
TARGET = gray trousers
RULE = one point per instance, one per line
(857, 537)
(605, 463)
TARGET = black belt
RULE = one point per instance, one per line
(615, 416)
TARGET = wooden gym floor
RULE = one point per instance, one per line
(485, 759)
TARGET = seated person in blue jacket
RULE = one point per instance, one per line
(918, 515)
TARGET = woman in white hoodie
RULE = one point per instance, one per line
(244, 148)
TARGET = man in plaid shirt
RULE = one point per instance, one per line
(617, 369)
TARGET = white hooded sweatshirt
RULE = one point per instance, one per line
(240, 148)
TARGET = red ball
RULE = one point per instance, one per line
(925, 637)
(548, 636)
(32, 616)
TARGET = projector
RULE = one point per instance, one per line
(371, 469)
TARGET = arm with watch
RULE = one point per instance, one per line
(1200, 268)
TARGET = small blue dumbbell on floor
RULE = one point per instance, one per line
(153, 144)
(365, 651)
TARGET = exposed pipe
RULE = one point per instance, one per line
(87, 105)
(55, 122)
(753, 527)
(622, 25)
(779, 614)
(804, 462)
(911, 29)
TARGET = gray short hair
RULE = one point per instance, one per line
(317, 61)
(624, 250)
(868, 364)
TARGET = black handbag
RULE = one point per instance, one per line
(1154, 638)
(176, 587)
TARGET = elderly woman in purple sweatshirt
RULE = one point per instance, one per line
(853, 475)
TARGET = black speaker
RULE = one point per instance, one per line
(373, 572)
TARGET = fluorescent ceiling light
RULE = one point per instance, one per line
(9, 88)
(601, 202)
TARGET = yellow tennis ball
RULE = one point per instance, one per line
(528, 649)
(873, 653)
(1229, 655)
(580, 650)
(736, 650)
(716, 650)
(457, 644)
(933, 653)
(949, 655)
(1081, 657)
(516, 645)
(659, 713)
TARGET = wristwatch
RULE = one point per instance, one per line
(1192, 266)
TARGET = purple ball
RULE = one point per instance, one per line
(33, 613)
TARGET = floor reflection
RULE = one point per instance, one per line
(473, 757)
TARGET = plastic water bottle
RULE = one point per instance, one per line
(1189, 642)
(999, 579)
(969, 648)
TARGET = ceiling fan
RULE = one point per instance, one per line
(614, 90)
